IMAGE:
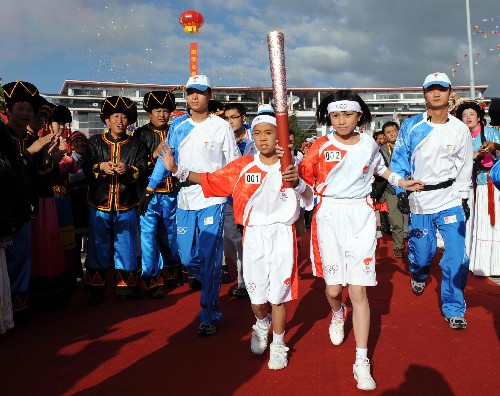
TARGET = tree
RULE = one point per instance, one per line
(293, 126)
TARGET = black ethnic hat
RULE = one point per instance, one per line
(159, 100)
(119, 104)
(62, 115)
(45, 106)
(21, 91)
(494, 112)
(215, 107)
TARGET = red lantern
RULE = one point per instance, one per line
(191, 21)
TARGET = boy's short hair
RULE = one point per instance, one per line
(236, 106)
(389, 124)
(377, 133)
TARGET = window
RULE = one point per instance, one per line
(80, 92)
(387, 96)
(412, 96)
(87, 92)
(121, 92)
(94, 124)
(142, 119)
(367, 96)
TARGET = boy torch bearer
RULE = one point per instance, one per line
(276, 45)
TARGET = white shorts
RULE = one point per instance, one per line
(270, 263)
(343, 241)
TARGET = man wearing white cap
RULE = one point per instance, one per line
(200, 142)
(436, 148)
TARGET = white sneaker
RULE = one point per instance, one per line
(258, 344)
(361, 371)
(336, 328)
(279, 356)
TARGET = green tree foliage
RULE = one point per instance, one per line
(293, 126)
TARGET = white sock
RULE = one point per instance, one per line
(279, 338)
(361, 353)
(339, 314)
(263, 323)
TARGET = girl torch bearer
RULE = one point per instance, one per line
(276, 45)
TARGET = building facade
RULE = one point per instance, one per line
(84, 98)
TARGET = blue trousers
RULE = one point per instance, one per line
(159, 235)
(18, 266)
(454, 263)
(112, 235)
(200, 239)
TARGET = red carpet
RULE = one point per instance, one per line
(150, 347)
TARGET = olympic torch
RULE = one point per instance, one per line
(276, 45)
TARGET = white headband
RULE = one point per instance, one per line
(344, 105)
(265, 118)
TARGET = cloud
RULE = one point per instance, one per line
(328, 42)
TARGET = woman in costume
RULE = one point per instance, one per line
(484, 224)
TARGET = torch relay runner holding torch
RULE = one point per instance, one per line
(267, 212)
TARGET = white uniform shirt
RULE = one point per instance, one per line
(200, 147)
(258, 197)
(434, 153)
(342, 171)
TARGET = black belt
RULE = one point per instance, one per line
(431, 187)
(186, 183)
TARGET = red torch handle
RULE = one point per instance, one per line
(276, 45)
(284, 141)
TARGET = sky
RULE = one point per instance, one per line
(328, 43)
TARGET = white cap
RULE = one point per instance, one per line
(199, 82)
(437, 78)
(265, 109)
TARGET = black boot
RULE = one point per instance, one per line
(126, 285)
(96, 298)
